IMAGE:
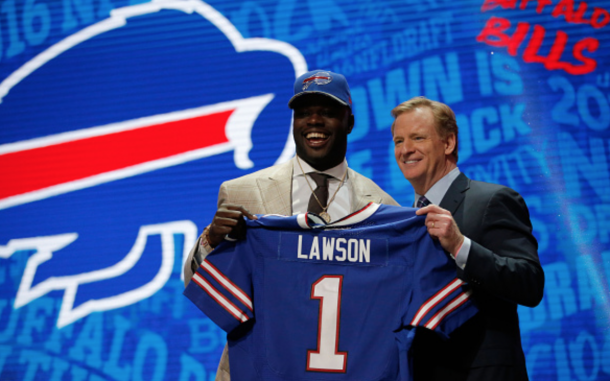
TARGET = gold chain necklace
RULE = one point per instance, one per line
(323, 214)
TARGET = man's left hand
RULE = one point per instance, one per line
(442, 226)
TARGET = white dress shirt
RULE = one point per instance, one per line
(435, 195)
(301, 192)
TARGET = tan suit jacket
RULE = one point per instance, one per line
(269, 191)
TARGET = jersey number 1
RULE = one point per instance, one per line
(327, 358)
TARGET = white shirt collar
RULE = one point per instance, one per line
(337, 172)
(436, 193)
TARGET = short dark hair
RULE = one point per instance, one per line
(443, 116)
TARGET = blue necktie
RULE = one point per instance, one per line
(423, 201)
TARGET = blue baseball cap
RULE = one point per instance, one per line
(322, 82)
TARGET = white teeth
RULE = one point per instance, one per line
(315, 135)
(411, 161)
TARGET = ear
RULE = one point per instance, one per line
(450, 142)
(350, 123)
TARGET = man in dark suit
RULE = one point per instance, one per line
(487, 230)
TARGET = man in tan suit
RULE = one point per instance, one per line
(317, 179)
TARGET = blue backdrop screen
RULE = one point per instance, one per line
(119, 120)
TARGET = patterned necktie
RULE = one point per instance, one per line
(321, 192)
(423, 201)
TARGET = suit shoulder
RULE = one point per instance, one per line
(497, 196)
(484, 186)
(249, 180)
(490, 189)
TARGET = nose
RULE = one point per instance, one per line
(314, 119)
(404, 148)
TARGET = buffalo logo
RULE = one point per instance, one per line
(106, 179)
(320, 78)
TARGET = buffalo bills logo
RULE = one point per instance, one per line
(115, 140)
(320, 78)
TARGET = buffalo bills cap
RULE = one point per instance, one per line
(322, 82)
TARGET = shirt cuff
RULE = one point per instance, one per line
(462, 255)
(203, 249)
(204, 244)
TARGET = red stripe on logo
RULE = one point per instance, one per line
(314, 78)
(42, 167)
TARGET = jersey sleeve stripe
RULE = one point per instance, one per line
(435, 300)
(452, 306)
(220, 299)
(227, 284)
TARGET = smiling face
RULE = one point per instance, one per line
(321, 126)
(422, 155)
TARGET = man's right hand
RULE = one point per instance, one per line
(228, 220)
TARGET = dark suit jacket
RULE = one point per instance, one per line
(504, 270)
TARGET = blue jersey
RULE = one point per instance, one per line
(305, 300)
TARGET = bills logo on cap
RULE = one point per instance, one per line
(322, 82)
(320, 78)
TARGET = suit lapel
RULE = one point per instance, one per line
(455, 194)
(276, 190)
(361, 194)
